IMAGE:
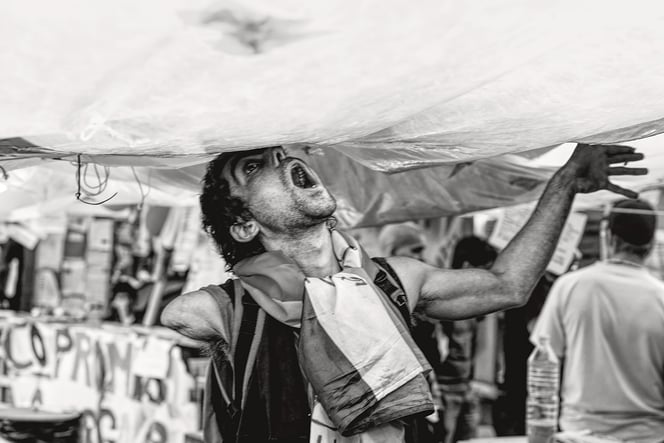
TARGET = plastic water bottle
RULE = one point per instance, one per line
(543, 399)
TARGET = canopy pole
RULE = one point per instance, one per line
(604, 233)
(157, 293)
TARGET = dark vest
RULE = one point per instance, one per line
(276, 408)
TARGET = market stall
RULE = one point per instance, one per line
(90, 282)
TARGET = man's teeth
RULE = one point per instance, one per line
(299, 177)
(302, 179)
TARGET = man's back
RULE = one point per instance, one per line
(607, 322)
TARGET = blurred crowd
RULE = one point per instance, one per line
(605, 322)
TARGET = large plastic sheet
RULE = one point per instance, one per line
(392, 84)
(365, 197)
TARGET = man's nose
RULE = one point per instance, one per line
(278, 155)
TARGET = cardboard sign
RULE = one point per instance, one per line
(569, 240)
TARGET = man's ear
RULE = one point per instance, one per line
(244, 232)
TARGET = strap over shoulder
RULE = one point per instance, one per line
(231, 379)
(388, 281)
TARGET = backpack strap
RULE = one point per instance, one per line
(231, 408)
(238, 309)
(388, 282)
(245, 338)
(253, 354)
(248, 324)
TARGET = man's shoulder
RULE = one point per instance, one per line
(201, 314)
(225, 289)
(656, 284)
(564, 286)
(602, 270)
(589, 272)
(221, 295)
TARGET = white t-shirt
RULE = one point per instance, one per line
(606, 323)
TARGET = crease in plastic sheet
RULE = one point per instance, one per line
(391, 84)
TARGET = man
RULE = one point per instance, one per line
(606, 324)
(461, 414)
(269, 214)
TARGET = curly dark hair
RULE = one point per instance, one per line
(220, 210)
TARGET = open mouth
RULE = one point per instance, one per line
(301, 177)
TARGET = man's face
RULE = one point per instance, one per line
(281, 192)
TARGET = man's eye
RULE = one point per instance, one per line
(251, 167)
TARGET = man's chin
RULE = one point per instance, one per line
(321, 211)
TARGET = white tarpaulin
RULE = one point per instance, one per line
(365, 197)
(391, 83)
(376, 85)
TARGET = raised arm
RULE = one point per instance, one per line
(463, 293)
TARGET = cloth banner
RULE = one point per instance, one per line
(130, 387)
(392, 84)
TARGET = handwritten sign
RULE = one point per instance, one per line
(99, 372)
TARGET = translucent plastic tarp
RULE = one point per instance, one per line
(393, 84)
(365, 197)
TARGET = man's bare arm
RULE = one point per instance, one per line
(197, 316)
(454, 294)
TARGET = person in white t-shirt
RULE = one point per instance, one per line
(606, 324)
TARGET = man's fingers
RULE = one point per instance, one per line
(616, 149)
(621, 170)
(622, 191)
(622, 158)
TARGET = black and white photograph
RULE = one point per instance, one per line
(331, 221)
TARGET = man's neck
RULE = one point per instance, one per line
(627, 257)
(311, 249)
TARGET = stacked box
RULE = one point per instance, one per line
(73, 271)
(77, 229)
(48, 261)
(99, 255)
(72, 279)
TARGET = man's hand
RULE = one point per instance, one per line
(591, 165)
